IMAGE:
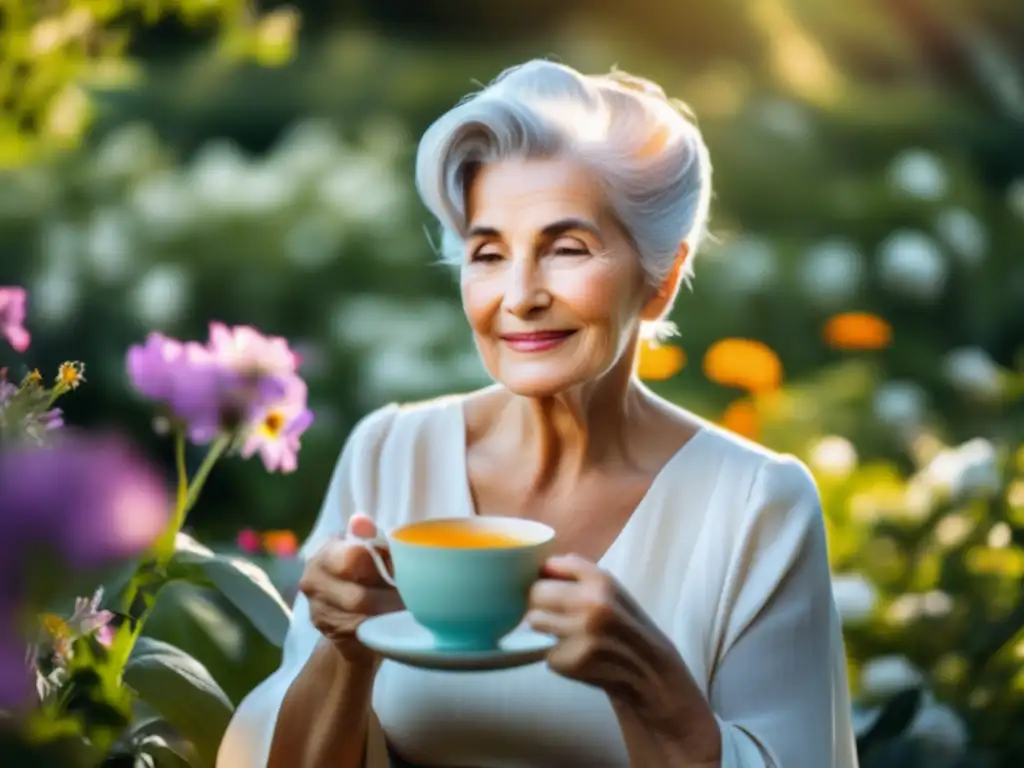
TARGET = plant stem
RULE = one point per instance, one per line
(196, 486)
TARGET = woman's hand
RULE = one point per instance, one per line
(608, 641)
(344, 588)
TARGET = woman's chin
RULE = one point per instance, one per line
(538, 387)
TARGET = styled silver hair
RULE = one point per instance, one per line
(645, 147)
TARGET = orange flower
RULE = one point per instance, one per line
(658, 362)
(281, 543)
(741, 417)
(743, 363)
(857, 330)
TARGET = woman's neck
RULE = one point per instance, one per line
(566, 435)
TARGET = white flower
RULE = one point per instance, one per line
(161, 296)
(306, 150)
(397, 372)
(962, 231)
(786, 119)
(973, 372)
(941, 731)
(833, 455)
(126, 150)
(165, 203)
(109, 245)
(57, 290)
(910, 263)
(751, 264)
(918, 174)
(1000, 535)
(219, 175)
(886, 676)
(969, 470)
(855, 597)
(900, 403)
(361, 189)
(833, 272)
(912, 606)
(312, 241)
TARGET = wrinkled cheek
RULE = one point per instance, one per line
(479, 303)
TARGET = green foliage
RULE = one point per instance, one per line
(846, 147)
(183, 692)
(55, 52)
(244, 584)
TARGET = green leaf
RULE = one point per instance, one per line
(245, 585)
(182, 691)
(897, 715)
(159, 753)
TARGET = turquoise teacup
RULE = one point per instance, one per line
(467, 579)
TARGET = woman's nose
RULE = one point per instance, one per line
(525, 292)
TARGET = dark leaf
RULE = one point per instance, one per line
(244, 584)
(895, 718)
(182, 691)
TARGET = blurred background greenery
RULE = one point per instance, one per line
(170, 163)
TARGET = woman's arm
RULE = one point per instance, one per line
(272, 717)
(325, 715)
(778, 694)
(779, 689)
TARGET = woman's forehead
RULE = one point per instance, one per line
(533, 193)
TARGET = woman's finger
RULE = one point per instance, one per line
(553, 595)
(569, 567)
(362, 526)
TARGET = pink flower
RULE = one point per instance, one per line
(281, 543)
(89, 619)
(276, 431)
(195, 386)
(249, 541)
(12, 317)
(241, 383)
(247, 351)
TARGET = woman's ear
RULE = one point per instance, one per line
(656, 308)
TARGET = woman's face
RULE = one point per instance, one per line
(552, 288)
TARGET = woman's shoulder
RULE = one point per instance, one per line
(746, 474)
(421, 423)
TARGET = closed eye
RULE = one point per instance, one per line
(569, 246)
(486, 257)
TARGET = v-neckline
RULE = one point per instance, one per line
(469, 505)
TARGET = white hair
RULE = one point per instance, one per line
(645, 148)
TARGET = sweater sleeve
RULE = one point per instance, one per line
(246, 744)
(779, 687)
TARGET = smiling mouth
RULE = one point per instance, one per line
(536, 341)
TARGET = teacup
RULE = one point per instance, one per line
(467, 579)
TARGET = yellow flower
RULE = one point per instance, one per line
(743, 363)
(54, 625)
(740, 416)
(34, 378)
(857, 331)
(70, 375)
(657, 362)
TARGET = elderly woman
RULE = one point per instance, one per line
(690, 590)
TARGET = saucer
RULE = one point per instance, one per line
(398, 637)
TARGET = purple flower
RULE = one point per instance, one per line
(79, 503)
(91, 501)
(241, 383)
(12, 317)
(247, 351)
(90, 619)
(277, 428)
(16, 687)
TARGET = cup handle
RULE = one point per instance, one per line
(370, 546)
